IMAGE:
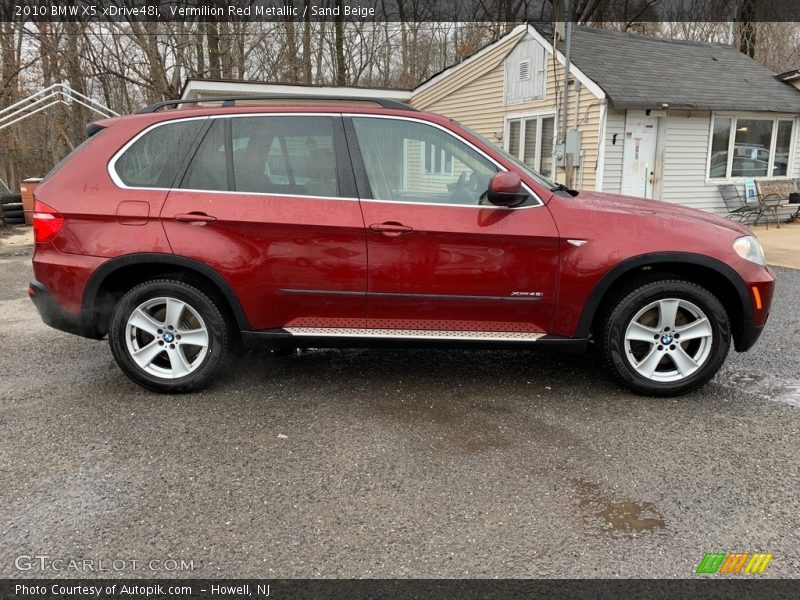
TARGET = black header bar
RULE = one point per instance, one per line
(397, 10)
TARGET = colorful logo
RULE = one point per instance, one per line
(734, 562)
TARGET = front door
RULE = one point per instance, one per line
(440, 258)
(269, 203)
(639, 154)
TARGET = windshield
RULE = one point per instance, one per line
(522, 166)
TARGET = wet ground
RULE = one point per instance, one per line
(394, 463)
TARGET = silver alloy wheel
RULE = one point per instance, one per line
(167, 338)
(668, 340)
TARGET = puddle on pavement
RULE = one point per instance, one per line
(790, 394)
(776, 389)
(746, 380)
(614, 516)
(468, 427)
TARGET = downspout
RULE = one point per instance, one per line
(567, 49)
(568, 166)
(600, 168)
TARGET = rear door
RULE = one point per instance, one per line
(269, 202)
(440, 257)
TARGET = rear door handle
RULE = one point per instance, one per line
(196, 218)
(391, 228)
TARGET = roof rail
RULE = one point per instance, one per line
(228, 101)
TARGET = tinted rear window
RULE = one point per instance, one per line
(282, 155)
(153, 160)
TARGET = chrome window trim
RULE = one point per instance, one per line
(111, 167)
(112, 173)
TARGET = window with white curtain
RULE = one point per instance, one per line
(750, 147)
(530, 139)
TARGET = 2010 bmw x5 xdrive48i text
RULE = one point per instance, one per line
(184, 233)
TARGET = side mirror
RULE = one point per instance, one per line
(505, 189)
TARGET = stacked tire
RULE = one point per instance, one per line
(12, 209)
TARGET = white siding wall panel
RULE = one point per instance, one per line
(520, 89)
(794, 167)
(685, 157)
(612, 176)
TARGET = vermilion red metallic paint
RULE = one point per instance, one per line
(318, 262)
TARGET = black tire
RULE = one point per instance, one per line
(14, 214)
(627, 361)
(10, 199)
(14, 220)
(12, 206)
(212, 357)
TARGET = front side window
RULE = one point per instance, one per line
(154, 159)
(267, 155)
(750, 147)
(401, 156)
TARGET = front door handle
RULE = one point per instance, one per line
(195, 218)
(391, 228)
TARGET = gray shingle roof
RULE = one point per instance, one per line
(637, 71)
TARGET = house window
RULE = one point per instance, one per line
(530, 139)
(436, 161)
(750, 147)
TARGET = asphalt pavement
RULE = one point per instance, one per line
(383, 463)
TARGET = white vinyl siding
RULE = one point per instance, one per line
(685, 160)
(612, 175)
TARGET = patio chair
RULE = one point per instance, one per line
(737, 205)
(794, 200)
(773, 195)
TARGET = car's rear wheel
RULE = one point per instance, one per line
(666, 338)
(168, 336)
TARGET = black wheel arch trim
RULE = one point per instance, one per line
(637, 262)
(108, 268)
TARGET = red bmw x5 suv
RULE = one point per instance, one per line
(185, 233)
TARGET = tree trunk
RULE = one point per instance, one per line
(307, 44)
(212, 36)
(341, 65)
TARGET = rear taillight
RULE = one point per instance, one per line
(47, 222)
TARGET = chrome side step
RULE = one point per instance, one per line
(415, 334)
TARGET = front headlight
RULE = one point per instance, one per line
(748, 248)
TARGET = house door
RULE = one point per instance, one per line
(639, 154)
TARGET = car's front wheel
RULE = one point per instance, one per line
(168, 336)
(666, 338)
